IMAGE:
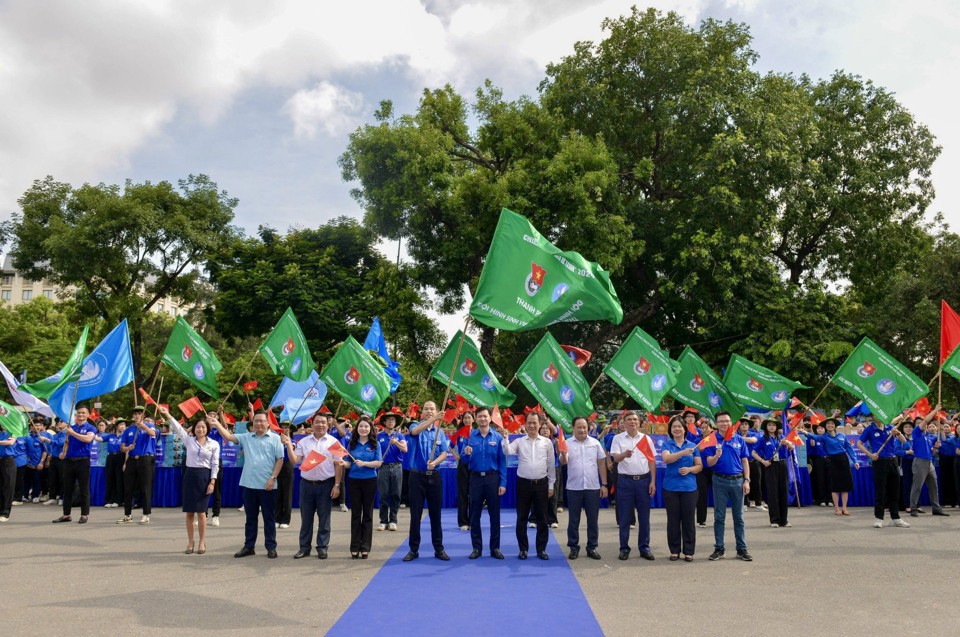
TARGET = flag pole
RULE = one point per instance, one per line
(156, 402)
(336, 412)
(294, 419)
(599, 378)
(507, 387)
(446, 395)
(73, 407)
(239, 378)
(426, 383)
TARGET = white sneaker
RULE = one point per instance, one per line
(702, 526)
(403, 506)
(240, 509)
(49, 502)
(392, 526)
(774, 526)
(44, 498)
(532, 525)
(3, 518)
(125, 520)
(36, 500)
(343, 508)
(878, 523)
(633, 526)
(554, 525)
(277, 524)
(559, 509)
(16, 503)
(107, 506)
(823, 504)
(60, 502)
(284, 526)
(464, 528)
(763, 507)
(215, 521)
(382, 527)
(901, 524)
(144, 520)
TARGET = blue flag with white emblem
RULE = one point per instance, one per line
(376, 344)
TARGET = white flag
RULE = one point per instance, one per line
(31, 402)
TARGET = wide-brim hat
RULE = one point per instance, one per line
(777, 422)
(835, 421)
(137, 408)
(396, 412)
(687, 410)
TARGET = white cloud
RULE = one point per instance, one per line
(326, 106)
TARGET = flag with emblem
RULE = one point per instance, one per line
(699, 386)
(757, 386)
(556, 382)
(69, 372)
(643, 370)
(337, 449)
(527, 282)
(192, 357)
(14, 422)
(313, 459)
(356, 377)
(879, 380)
(472, 378)
(286, 351)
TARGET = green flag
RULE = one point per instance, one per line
(527, 282)
(67, 374)
(357, 377)
(192, 357)
(556, 383)
(643, 370)
(952, 364)
(13, 420)
(757, 386)
(473, 378)
(876, 378)
(698, 386)
(286, 349)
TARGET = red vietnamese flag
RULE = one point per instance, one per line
(229, 419)
(164, 406)
(94, 414)
(709, 441)
(646, 448)
(313, 459)
(462, 405)
(191, 406)
(495, 416)
(923, 406)
(325, 410)
(561, 441)
(257, 404)
(794, 438)
(795, 402)
(249, 386)
(580, 357)
(692, 428)
(536, 274)
(353, 416)
(272, 420)
(146, 397)
(815, 418)
(731, 431)
(462, 432)
(949, 330)
(413, 411)
(449, 415)
(660, 420)
(337, 449)
(515, 423)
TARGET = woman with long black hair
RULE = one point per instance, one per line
(364, 460)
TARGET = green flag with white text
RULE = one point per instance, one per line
(14, 421)
(192, 357)
(699, 386)
(757, 386)
(286, 349)
(473, 379)
(67, 374)
(879, 380)
(643, 370)
(556, 382)
(527, 282)
(357, 377)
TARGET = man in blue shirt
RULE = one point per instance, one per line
(924, 443)
(8, 473)
(36, 456)
(139, 442)
(428, 449)
(484, 458)
(886, 472)
(731, 480)
(393, 446)
(76, 464)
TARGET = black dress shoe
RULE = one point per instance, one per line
(62, 518)
(301, 554)
(244, 552)
(647, 555)
(543, 555)
(409, 557)
(272, 554)
(441, 555)
(475, 554)
(935, 512)
(592, 554)
(624, 555)
(321, 554)
(913, 514)
(574, 553)
(522, 555)
(495, 553)
(83, 518)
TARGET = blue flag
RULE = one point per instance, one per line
(297, 410)
(290, 389)
(860, 409)
(375, 343)
(108, 368)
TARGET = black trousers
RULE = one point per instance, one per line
(886, 488)
(756, 485)
(138, 476)
(532, 493)
(217, 497)
(18, 488)
(704, 485)
(818, 480)
(775, 477)
(76, 471)
(429, 488)
(948, 486)
(284, 493)
(405, 488)
(362, 494)
(681, 521)
(463, 495)
(8, 479)
(113, 472)
(55, 478)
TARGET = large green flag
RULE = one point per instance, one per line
(192, 357)
(952, 364)
(473, 379)
(699, 386)
(67, 374)
(357, 377)
(643, 370)
(556, 382)
(879, 380)
(13, 420)
(527, 282)
(286, 349)
(757, 386)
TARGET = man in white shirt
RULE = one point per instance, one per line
(586, 484)
(636, 484)
(536, 475)
(319, 486)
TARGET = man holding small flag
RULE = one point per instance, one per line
(427, 439)
(393, 448)
(731, 481)
(636, 484)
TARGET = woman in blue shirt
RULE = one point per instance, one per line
(113, 469)
(904, 452)
(8, 473)
(818, 467)
(839, 457)
(363, 461)
(771, 452)
(682, 460)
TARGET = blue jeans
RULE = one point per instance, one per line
(256, 501)
(589, 503)
(634, 494)
(315, 501)
(724, 488)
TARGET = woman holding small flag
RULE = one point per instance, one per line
(771, 451)
(682, 460)
(364, 460)
(839, 457)
(199, 476)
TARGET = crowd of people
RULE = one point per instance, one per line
(741, 466)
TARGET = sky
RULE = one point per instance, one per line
(262, 96)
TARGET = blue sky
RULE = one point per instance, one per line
(262, 96)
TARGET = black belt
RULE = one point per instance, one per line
(425, 473)
(627, 476)
(143, 456)
(316, 481)
(536, 481)
(391, 464)
(114, 453)
(728, 476)
(486, 473)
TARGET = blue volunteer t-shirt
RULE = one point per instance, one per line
(731, 460)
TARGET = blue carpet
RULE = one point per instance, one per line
(472, 597)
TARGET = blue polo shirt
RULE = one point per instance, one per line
(391, 453)
(260, 454)
(672, 480)
(766, 447)
(113, 442)
(922, 446)
(56, 444)
(873, 438)
(6, 451)
(365, 453)
(406, 458)
(421, 447)
(145, 446)
(948, 446)
(835, 445)
(731, 460)
(487, 454)
(77, 449)
(34, 449)
(815, 448)
(20, 452)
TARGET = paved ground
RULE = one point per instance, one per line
(825, 576)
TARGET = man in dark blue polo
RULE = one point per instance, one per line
(886, 472)
(428, 449)
(484, 457)
(76, 464)
(139, 442)
(393, 447)
(731, 481)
